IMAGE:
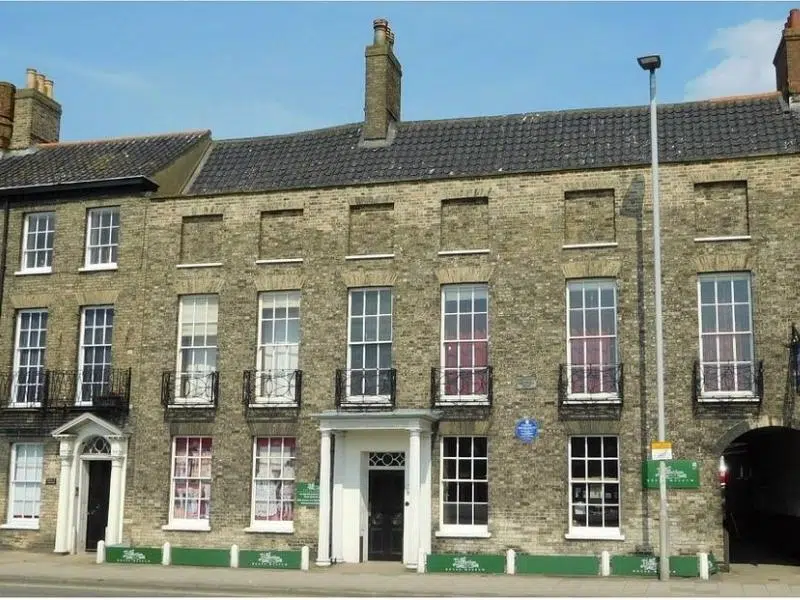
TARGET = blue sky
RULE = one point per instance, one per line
(259, 68)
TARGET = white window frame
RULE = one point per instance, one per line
(41, 349)
(49, 219)
(288, 474)
(734, 394)
(35, 482)
(455, 529)
(113, 247)
(470, 289)
(277, 361)
(588, 531)
(108, 312)
(612, 363)
(200, 400)
(199, 523)
(366, 398)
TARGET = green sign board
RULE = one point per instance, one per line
(557, 565)
(269, 559)
(307, 494)
(466, 563)
(680, 474)
(201, 557)
(133, 556)
(647, 565)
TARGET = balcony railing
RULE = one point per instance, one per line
(458, 387)
(272, 389)
(590, 384)
(741, 382)
(195, 389)
(23, 388)
(365, 389)
(86, 389)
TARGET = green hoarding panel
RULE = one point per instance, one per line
(648, 566)
(201, 557)
(269, 559)
(557, 565)
(465, 563)
(307, 494)
(133, 556)
(681, 474)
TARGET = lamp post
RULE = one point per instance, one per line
(651, 63)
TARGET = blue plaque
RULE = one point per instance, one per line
(526, 430)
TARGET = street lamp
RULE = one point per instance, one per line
(651, 63)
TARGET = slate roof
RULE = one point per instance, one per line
(530, 142)
(71, 162)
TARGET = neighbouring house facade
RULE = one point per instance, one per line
(329, 338)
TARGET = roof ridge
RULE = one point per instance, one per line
(126, 138)
(256, 138)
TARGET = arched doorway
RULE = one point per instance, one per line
(760, 479)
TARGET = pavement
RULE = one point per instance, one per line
(23, 571)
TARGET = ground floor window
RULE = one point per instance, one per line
(464, 485)
(25, 485)
(273, 483)
(191, 482)
(594, 486)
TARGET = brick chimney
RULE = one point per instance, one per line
(36, 116)
(7, 92)
(382, 102)
(787, 60)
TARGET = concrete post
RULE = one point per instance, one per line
(511, 562)
(305, 558)
(234, 556)
(101, 552)
(166, 554)
(605, 563)
(702, 564)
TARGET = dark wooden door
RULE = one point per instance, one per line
(386, 500)
(97, 502)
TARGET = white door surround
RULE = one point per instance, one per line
(344, 491)
(83, 439)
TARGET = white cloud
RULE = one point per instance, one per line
(746, 66)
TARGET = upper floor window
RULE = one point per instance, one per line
(29, 347)
(465, 341)
(197, 348)
(37, 242)
(102, 237)
(278, 343)
(592, 339)
(94, 359)
(727, 365)
(369, 356)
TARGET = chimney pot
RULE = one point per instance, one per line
(793, 22)
(40, 82)
(381, 27)
(787, 60)
(30, 78)
(48, 88)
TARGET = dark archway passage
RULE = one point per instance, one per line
(760, 474)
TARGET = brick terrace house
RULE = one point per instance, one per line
(194, 330)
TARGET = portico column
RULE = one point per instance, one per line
(66, 454)
(324, 537)
(337, 507)
(115, 492)
(413, 493)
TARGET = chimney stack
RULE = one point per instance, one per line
(7, 91)
(787, 60)
(35, 117)
(383, 74)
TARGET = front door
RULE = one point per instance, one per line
(97, 502)
(386, 496)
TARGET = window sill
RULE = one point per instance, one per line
(580, 399)
(590, 245)
(93, 268)
(464, 252)
(24, 406)
(198, 265)
(278, 261)
(187, 526)
(21, 526)
(731, 398)
(612, 536)
(273, 403)
(467, 532)
(34, 272)
(368, 256)
(274, 527)
(190, 403)
(724, 238)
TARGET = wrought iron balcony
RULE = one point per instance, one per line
(272, 389)
(590, 385)
(365, 389)
(189, 391)
(728, 383)
(23, 388)
(461, 387)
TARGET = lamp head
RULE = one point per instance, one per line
(649, 63)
